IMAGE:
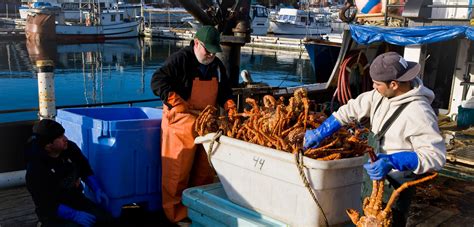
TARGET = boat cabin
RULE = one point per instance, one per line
(295, 16)
(258, 11)
(259, 19)
(107, 17)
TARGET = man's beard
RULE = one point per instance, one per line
(205, 60)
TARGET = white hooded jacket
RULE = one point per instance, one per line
(415, 129)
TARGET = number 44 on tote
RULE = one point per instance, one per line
(258, 162)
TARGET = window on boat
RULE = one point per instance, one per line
(112, 18)
(66, 6)
(261, 12)
(283, 17)
(292, 18)
(121, 17)
(303, 19)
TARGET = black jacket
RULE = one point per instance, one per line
(180, 69)
(53, 181)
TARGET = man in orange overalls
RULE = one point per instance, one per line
(189, 80)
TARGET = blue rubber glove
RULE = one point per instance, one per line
(313, 138)
(79, 217)
(402, 161)
(100, 196)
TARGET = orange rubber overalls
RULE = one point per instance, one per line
(184, 164)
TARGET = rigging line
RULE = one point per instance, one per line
(286, 77)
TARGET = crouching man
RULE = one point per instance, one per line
(55, 168)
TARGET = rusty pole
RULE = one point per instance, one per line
(232, 41)
(47, 98)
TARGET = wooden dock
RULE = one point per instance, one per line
(442, 202)
(268, 42)
(17, 209)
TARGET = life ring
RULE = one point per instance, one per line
(344, 13)
(369, 6)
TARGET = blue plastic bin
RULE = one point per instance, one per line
(465, 117)
(208, 206)
(123, 148)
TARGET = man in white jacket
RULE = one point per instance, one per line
(412, 144)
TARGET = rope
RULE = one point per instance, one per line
(211, 145)
(300, 165)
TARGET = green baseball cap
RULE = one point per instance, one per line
(210, 37)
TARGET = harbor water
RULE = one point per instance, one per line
(119, 70)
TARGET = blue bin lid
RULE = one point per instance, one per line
(112, 117)
(211, 200)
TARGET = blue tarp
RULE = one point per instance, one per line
(41, 4)
(409, 35)
(470, 33)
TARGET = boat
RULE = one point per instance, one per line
(299, 22)
(258, 16)
(108, 24)
(111, 24)
(98, 24)
(73, 10)
(259, 19)
(323, 53)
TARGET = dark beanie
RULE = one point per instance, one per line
(46, 131)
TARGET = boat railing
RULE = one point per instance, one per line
(128, 102)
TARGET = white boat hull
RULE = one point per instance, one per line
(98, 32)
(282, 28)
(23, 13)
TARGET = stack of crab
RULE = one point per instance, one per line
(282, 126)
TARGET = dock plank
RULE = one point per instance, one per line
(17, 208)
(420, 213)
(436, 204)
(458, 220)
(438, 218)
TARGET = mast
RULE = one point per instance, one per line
(99, 12)
(80, 11)
(169, 18)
